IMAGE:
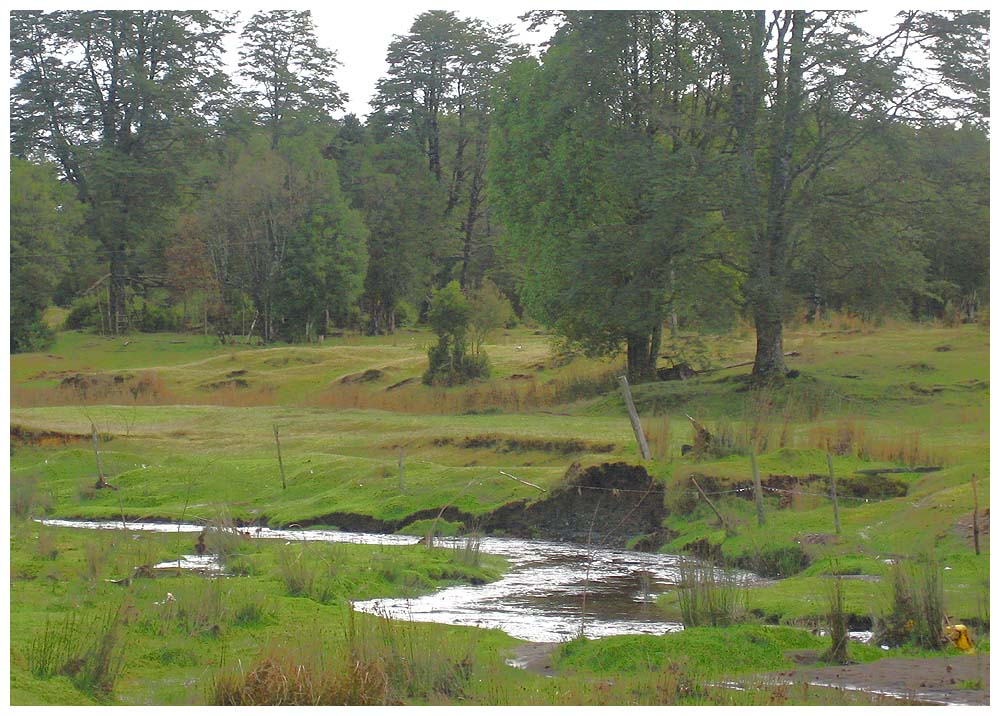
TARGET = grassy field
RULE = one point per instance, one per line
(187, 433)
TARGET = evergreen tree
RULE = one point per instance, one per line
(45, 218)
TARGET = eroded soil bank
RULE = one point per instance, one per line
(608, 505)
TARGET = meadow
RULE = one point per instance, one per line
(185, 430)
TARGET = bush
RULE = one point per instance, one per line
(447, 362)
(84, 313)
(774, 562)
(406, 314)
(153, 318)
(27, 336)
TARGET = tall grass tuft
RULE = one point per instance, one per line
(850, 436)
(378, 661)
(837, 624)
(708, 597)
(89, 653)
(285, 677)
(26, 497)
(916, 605)
(467, 551)
(658, 436)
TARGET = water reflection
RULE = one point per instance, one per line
(552, 591)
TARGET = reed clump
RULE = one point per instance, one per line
(707, 596)
(89, 651)
(377, 662)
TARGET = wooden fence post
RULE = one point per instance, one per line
(97, 455)
(975, 514)
(833, 494)
(633, 416)
(758, 492)
(718, 514)
(401, 487)
(281, 465)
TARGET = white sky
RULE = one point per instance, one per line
(361, 33)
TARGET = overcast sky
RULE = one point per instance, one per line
(360, 32)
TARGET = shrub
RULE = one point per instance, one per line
(447, 361)
(774, 562)
(29, 334)
(153, 317)
(84, 313)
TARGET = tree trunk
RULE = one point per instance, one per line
(117, 317)
(769, 360)
(641, 351)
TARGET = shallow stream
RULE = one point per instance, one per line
(552, 591)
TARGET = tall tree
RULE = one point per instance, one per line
(290, 73)
(437, 92)
(112, 96)
(805, 87)
(45, 217)
(279, 231)
(959, 44)
(598, 170)
(402, 205)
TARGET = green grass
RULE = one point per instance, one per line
(167, 646)
(710, 652)
(883, 397)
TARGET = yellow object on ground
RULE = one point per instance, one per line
(959, 637)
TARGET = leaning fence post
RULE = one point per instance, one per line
(718, 514)
(758, 492)
(633, 416)
(833, 494)
(281, 465)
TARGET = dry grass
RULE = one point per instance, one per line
(658, 435)
(380, 662)
(502, 396)
(851, 436)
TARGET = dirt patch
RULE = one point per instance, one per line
(20, 435)
(964, 526)
(949, 680)
(238, 383)
(368, 376)
(535, 656)
(605, 505)
(505, 445)
(867, 485)
(88, 387)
